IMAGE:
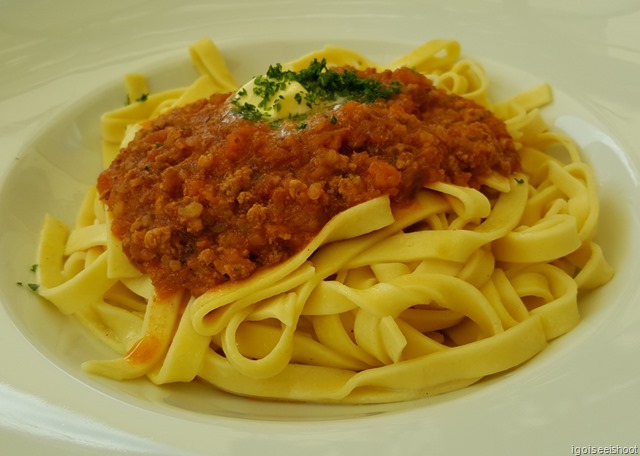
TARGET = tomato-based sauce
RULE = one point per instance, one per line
(203, 196)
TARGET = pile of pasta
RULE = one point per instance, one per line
(382, 305)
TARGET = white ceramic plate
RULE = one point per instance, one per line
(61, 65)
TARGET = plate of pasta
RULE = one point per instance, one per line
(222, 238)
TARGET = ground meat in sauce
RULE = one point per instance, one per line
(202, 196)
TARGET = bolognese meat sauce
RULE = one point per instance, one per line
(205, 194)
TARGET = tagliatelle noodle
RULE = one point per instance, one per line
(382, 305)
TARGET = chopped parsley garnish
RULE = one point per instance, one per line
(248, 111)
(327, 84)
(318, 84)
(141, 98)
(32, 286)
(519, 181)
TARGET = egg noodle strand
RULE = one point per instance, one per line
(381, 306)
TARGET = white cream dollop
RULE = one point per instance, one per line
(289, 100)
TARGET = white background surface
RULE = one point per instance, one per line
(61, 61)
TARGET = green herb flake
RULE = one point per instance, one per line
(141, 98)
(519, 181)
(32, 286)
(34, 267)
(247, 110)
